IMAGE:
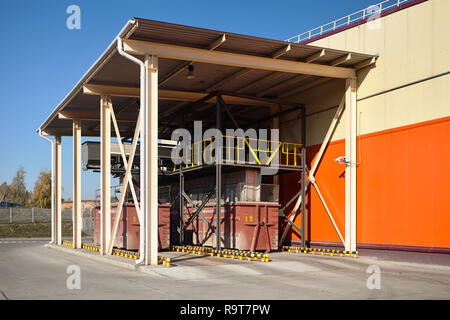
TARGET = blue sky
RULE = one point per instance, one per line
(41, 60)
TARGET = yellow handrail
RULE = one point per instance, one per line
(291, 150)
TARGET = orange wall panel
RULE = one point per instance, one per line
(403, 188)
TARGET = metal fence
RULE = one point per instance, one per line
(33, 215)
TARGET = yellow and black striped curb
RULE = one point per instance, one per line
(135, 255)
(90, 247)
(164, 261)
(119, 252)
(125, 253)
(224, 253)
(320, 251)
(83, 246)
(67, 243)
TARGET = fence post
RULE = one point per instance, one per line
(32, 215)
(10, 215)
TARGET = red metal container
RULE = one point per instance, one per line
(127, 236)
(244, 226)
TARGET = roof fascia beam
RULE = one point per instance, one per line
(234, 59)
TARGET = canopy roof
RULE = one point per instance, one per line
(113, 73)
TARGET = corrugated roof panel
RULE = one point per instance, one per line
(119, 71)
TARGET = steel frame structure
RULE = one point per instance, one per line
(220, 106)
(348, 102)
(148, 128)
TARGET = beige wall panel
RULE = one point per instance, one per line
(412, 44)
(417, 103)
(371, 113)
(440, 35)
(317, 124)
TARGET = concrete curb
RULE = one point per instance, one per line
(108, 259)
(100, 258)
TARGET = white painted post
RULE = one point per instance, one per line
(151, 160)
(77, 217)
(350, 171)
(32, 215)
(10, 215)
(105, 173)
(57, 190)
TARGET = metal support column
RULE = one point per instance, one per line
(77, 215)
(57, 190)
(181, 199)
(151, 161)
(350, 171)
(303, 184)
(275, 125)
(105, 173)
(218, 169)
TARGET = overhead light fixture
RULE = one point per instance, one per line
(190, 74)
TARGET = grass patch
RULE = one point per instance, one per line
(34, 230)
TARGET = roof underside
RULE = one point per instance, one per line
(114, 70)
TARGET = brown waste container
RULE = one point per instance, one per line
(127, 236)
(243, 226)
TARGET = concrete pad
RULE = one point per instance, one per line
(34, 271)
(113, 260)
